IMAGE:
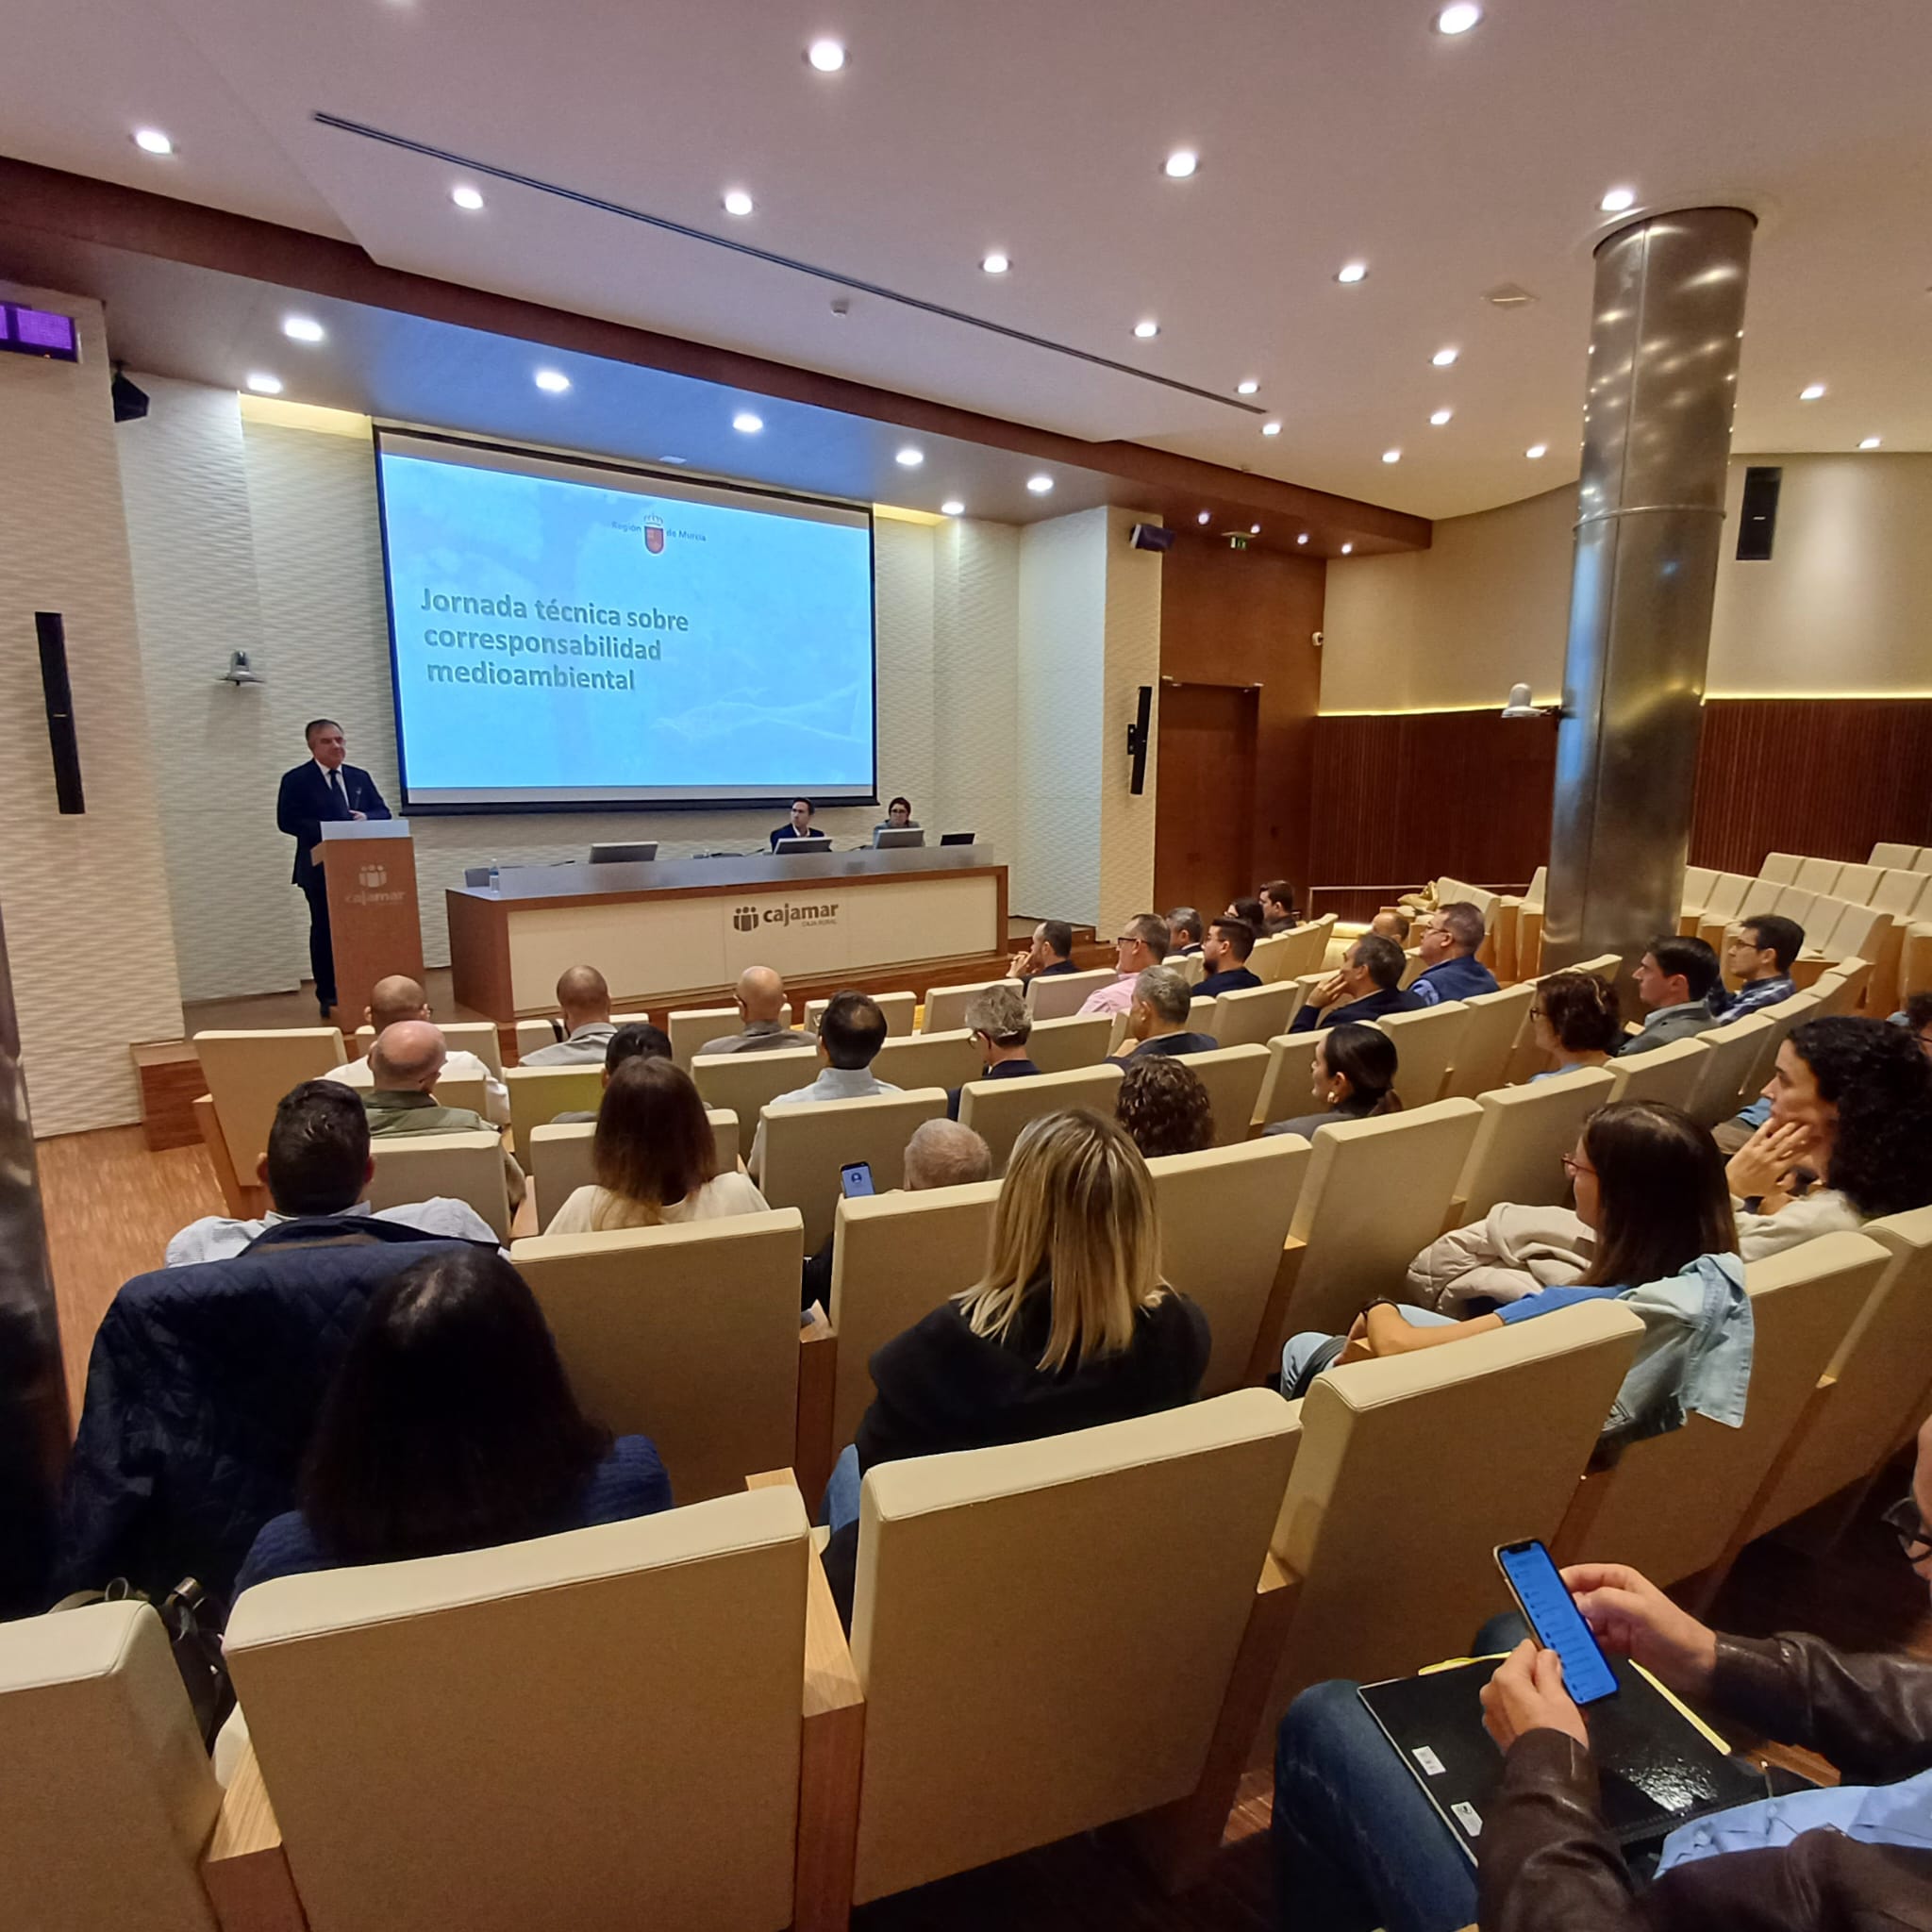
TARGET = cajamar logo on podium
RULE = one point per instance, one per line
(746, 918)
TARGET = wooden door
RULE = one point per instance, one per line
(1203, 810)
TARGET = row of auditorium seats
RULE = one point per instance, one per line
(1048, 1637)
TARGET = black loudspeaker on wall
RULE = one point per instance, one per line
(61, 741)
(1137, 740)
(1757, 519)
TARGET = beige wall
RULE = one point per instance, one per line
(1844, 607)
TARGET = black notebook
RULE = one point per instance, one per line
(1657, 1769)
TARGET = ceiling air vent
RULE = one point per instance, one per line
(1509, 295)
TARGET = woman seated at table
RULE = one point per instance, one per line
(654, 1157)
(1353, 1078)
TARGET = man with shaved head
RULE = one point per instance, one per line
(584, 1001)
(399, 998)
(761, 999)
(405, 1064)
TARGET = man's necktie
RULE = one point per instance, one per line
(335, 785)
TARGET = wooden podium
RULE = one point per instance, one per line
(370, 868)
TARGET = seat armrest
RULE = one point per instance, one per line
(812, 1449)
(244, 1869)
(1264, 1365)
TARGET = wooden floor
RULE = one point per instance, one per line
(112, 1205)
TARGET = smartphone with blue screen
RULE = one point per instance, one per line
(856, 1180)
(1549, 1609)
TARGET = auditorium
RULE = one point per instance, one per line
(824, 825)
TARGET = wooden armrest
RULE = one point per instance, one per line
(1264, 1364)
(812, 1449)
(209, 1122)
(244, 1869)
(524, 1223)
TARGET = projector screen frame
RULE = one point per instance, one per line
(577, 460)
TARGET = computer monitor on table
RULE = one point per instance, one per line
(958, 838)
(636, 853)
(815, 841)
(892, 838)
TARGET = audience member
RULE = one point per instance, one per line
(636, 1039)
(998, 1019)
(1051, 952)
(316, 1167)
(399, 997)
(1651, 1185)
(584, 1001)
(654, 1158)
(405, 1064)
(851, 1031)
(1159, 1016)
(898, 816)
(1141, 944)
(761, 999)
(1071, 1325)
(1674, 981)
(1918, 1021)
(1183, 932)
(1277, 906)
(1574, 1020)
(1448, 943)
(1759, 957)
(798, 825)
(450, 1425)
(1248, 912)
(1224, 953)
(1354, 1073)
(1390, 924)
(1163, 1107)
(1357, 1844)
(1368, 986)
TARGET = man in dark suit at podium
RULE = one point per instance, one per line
(323, 788)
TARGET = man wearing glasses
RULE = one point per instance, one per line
(1143, 942)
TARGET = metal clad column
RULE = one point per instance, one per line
(1667, 316)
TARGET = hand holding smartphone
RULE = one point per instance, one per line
(1551, 1614)
(856, 1180)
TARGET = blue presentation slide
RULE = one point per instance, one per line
(561, 640)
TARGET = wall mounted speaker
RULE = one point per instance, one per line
(1758, 520)
(61, 741)
(1137, 740)
(1151, 536)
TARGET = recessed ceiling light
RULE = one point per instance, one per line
(1443, 357)
(1617, 200)
(909, 458)
(467, 197)
(1348, 549)
(737, 201)
(1271, 430)
(746, 423)
(302, 328)
(151, 140)
(1352, 272)
(264, 385)
(552, 382)
(1811, 392)
(1439, 417)
(996, 264)
(1460, 18)
(1535, 450)
(1303, 538)
(1247, 386)
(1391, 456)
(1869, 443)
(1181, 164)
(827, 56)
(1147, 329)
(1253, 529)
(1039, 485)
(952, 507)
(1204, 516)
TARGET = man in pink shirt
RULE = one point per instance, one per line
(1144, 942)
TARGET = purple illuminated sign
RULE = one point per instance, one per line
(38, 332)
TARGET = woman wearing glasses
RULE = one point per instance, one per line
(1575, 1021)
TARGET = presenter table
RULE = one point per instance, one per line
(682, 930)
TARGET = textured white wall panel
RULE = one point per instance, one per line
(975, 651)
(1133, 658)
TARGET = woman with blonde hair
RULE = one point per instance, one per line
(1070, 1326)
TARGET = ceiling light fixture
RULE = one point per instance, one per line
(1869, 443)
(151, 140)
(909, 458)
(1441, 417)
(1348, 550)
(1247, 386)
(1811, 392)
(1391, 456)
(467, 197)
(1303, 538)
(552, 382)
(1460, 18)
(746, 423)
(827, 56)
(1271, 428)
(1617, 200)
(952, 507)
(264, 385)
(1352, 272)
(1181, 164)
(737, 201)
(1535, 450)
(996, 264)
(1442, 358)
(1253, 529)
(1204, 517)
(1147, 329)
(1039, 485)
(302, 328)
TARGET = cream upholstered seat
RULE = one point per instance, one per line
(1201, 1015)
(1667, 1074)
(109, 1797)
(1058, 1046)
(247, 1073)
(532, 1033)
(1254, 1015)
(1191, 966)
(1671, 1505)
(1793, 902)
(1272, 954)
(1840, 990)
(1496, 1021)
(1054, 996)
(1815, 875)
(899, 1009)
(1858, 882)
(930, 1058)
(597, 1730)
(1224, 1216)
(1782, 868)
(1232, 1076)
(686, 1334)
(1288, 1086)
(1427, 1043)
(1726, 898)
(1698, 880)
(539, 1094)
(1412, 1469)
(478, 1037)
(463, 1166)
(998, 1110)
(1517, 1152)
(1874, 1389)
(1730, 1052)
(746, 1083)
(1884, 853)
(945, 1006)
(560, 1157)
(1900, 891)
(1860, 932)
(805, 1148)
(453, 1091)
(1046, 1632)
(693, 1028)
(898, 1255)
(1376, 1193)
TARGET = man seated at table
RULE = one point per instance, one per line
(1143, 942)
(1226, 951)
(584, 1000)
(997, 1017)
(851, 1031)
(1051, 952)
(636, 1039)
(759, 997)
(797, 826)
(316, 1167)
(398, 998)
(405, 1064)
(1367, 987)
(1159, 1016)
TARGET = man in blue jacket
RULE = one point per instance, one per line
(1448, 943)
(1369, 987)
